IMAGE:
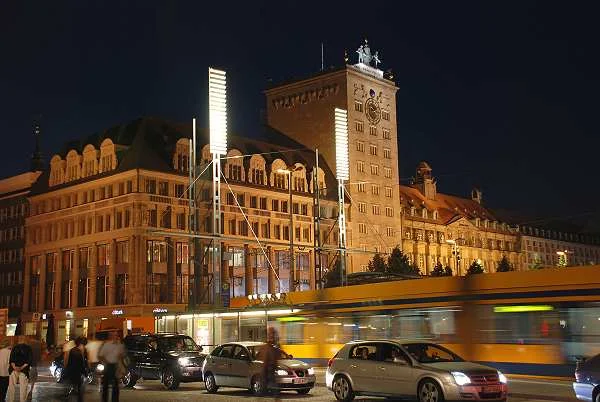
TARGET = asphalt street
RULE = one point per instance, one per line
(521, 390)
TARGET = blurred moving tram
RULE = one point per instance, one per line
(534, 322)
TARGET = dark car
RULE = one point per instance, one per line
(587, 379)
(170, 358)
(57, 370)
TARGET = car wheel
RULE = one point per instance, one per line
(129, 379)
(303, 391)
(257, 385)
(58, 374)
(210, 383)
(597, 398)
(342, 389)
(170, 380)
(429, 391)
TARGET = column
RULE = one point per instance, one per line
(225, 278)
(141, 270)
(42, 285)
(248, 271)
(112, 273)
(131, 262)
(171, 271)
(58, 280)
(27, 284)
(92, 274)
(311, 272)
(75, 279)
(272, 278)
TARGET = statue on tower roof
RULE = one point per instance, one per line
(365, 56)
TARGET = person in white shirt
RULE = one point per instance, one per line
(111, 353)
(4, 365)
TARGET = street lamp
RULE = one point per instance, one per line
(289, 172)
(456, 254)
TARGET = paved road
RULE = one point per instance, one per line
(149, 391)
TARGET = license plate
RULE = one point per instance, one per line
(300, 380)
(490, 389)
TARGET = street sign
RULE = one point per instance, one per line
(225, 297)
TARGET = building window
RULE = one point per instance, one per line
(122, 252)
(360, 146)
(360, 166)
(385, 115)
(390, 232)
(373, 130)
(235, 172)
(375, 170)
(263, 203)
(157, 288)
(376, 210)
(373, 149)
(181, 221)
(275, 205)
(258, 176)
(361, 187)
(156, 251)
(253, 201)
(389, 211)
(388, 172)
(387, 153)
(122, 285)
(150, 186)
(362, 228)
(388, 192)
(359, 126)
(264, 230)
(163, 188)
(358, 106)
(375, 189)
(83, 290)
(280, 180)
(362, 207)
(299, 184)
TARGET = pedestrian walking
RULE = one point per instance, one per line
(111, 354)
(92, 348)
(20, 363)
(36, 355)
(75, 368)
(5, 350)
(270, 357)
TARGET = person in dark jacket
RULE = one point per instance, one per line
(270, 356)
(75, 368)
(21, 358)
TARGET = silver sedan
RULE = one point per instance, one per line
(239, 365)
(411, 368)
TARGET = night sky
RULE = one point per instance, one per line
(503, 95)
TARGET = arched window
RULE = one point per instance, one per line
(321, 181)
(57, 170)
(278, 179)
(235, 166)
(90, 161)
(181, 157)
(435, 215)
(299, 178)
(73, 165)
(257, 173)
(424, 213)
(205, 154)
(108, 157)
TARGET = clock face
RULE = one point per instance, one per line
(372, 111)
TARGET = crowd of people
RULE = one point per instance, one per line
(20, 356)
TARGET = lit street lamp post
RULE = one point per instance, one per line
(289, 172)
(456, 253)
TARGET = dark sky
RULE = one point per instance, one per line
(499, 94)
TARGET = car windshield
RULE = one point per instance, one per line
(177, 344)
(256, 352)
(430, 353)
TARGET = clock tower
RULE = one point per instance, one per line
(304, 110)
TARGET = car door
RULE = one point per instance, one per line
(222, 366)
(240, 367)
(362, 368)
(395, 370)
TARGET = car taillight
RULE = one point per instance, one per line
(330, 362)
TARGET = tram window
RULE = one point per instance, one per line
(521, 327)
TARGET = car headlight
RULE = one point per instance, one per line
(183, 361)
(461, 378)
(100, 367)
(502, 378)
(281, 372)
(311, 371)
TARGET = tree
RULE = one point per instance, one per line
(504, 265)
(398, 263)
(438, 270)
(332, 277)
(475, 268)
(377, 264)
(447, 270)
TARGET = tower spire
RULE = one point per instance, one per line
(37, 162)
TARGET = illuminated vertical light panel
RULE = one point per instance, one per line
(342, 173)
(217, 108)
(217, 104)
(341, 144)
